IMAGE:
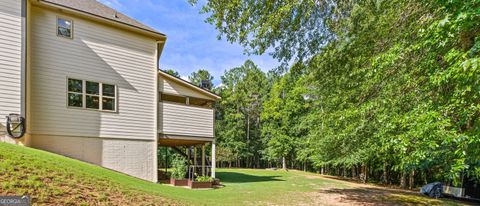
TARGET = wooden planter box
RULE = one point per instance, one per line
(199, 185)
(182, 182)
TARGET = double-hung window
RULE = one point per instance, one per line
(91, 95)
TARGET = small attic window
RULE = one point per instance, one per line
(64, 28)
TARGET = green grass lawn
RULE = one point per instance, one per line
(54, 179)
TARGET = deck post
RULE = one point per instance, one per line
(203, 159)
(166, 160)
(213, 159)
(194, 160)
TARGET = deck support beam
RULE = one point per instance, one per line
(194, 159)
(213, 159)
(203, 159)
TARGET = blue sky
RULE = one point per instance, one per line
(191, 44)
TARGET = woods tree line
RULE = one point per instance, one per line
(381, 91)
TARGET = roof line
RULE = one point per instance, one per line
(101, 17)
(190, 84)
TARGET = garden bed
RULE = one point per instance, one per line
(199, 185)
(182, 182)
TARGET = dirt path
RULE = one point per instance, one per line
(362, 194)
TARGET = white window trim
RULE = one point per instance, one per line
(84, 96)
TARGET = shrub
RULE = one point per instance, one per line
(179, 167)
(204, 179)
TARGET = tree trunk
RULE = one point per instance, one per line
(353, 172)
(385, 172)
(403, 180)
(292, 163)
(411, 181)
(424, 175)
(364, 174)
(284, 163)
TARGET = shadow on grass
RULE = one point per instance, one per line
(235, 177)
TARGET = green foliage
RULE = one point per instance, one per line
(202, 78)
(179, 165)
(389, 85)
(405, 95)
(204, 179)
(283, 116)
(238, 113)
(295, 29)
(173, 73)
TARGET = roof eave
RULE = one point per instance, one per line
(190, 85)
(156, 35)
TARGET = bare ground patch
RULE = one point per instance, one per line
(359, 194)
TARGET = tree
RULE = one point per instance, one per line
(391, 96)
(172, 72)
(238, 124)
(202, 78)
(294, 29)
(283, 115)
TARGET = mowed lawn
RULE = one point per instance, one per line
(54, 179)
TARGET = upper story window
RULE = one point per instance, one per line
(64, 28)
(91, 95)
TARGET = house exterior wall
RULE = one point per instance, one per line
(124, 140)
(184, 120)
(11, 29)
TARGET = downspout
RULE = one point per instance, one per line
(23, 72)
(16, 122)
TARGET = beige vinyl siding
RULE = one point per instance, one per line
(172, 87)
(184, 120)
(96, 53)
(10, 60)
